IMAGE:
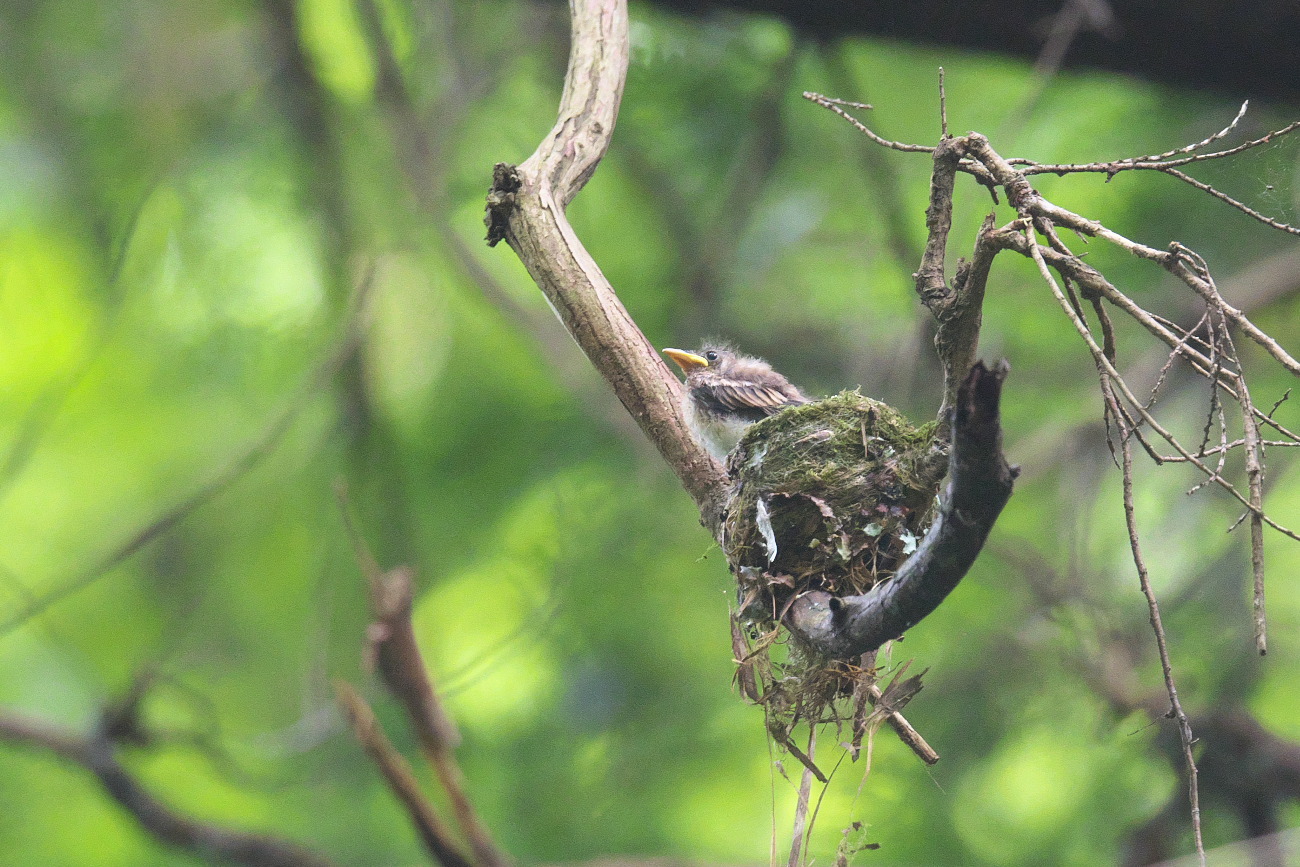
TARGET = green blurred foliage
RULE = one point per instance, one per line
(185, 210)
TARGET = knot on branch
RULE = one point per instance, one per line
(1020, 193)
(501, 200)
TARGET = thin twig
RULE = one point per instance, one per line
(1254, 453)
(1239, 205)
(1109, 376)
(834, 105)
(801, 808)
(1235, 444)
(1177, 260)
(943, 107)
(1166, 667)
(906, 733)
(1036, 251)
(1166, 163)
(1150, 163)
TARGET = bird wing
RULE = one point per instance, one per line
(746, 399)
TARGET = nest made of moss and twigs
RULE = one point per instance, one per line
(829, 496)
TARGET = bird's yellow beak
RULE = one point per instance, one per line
(687, 361)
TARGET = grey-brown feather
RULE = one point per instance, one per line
(733, 392)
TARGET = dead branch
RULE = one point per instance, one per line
(97, 753)
(1210, 354)
(904, 729)
(1170, 161)
(988, 166)
(1186, 738)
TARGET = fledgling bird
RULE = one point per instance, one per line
(726, 392)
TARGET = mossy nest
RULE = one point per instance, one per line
(830, 496)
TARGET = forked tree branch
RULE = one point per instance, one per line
(1212, 355)
(526, 209)
(958, 305)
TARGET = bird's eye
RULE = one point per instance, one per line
(711, 355)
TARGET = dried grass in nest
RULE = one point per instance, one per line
(828, 496)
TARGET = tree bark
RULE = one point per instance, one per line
(526, 209)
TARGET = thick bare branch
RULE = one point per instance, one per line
(526, 209)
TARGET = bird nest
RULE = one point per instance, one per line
(828, 496)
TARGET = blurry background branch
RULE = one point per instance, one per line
(1243, 768)
(98, 754)
(437, 837)
(253, 452)
(391, 649)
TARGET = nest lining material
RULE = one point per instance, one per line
(832, 496)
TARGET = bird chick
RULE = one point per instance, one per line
(726, 392)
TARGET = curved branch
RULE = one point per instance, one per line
(525, 207)
(979, 485)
